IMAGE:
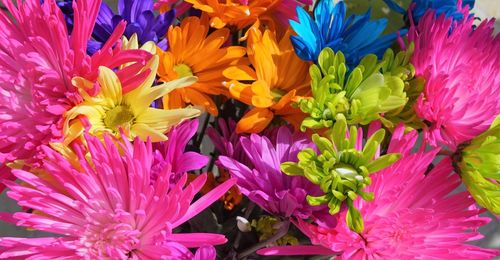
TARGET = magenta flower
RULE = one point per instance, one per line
(107, 207)
(227, 141)
(462, 73)
(38, 61)
(264, 183)
(171, 153)
(414, 213)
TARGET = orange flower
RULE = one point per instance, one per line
(279, 76)
(243, 13)
(193, 52)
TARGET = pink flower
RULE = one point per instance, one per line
(171, 152)
(414, 213)
(107, 207)
(461, 67)
(37, 63)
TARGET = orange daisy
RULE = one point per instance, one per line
(194, 52)
(279, 75)
(243, 13)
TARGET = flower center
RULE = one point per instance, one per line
(347, 171)
(183, 70)
(118, 116)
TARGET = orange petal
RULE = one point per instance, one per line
(199, 99)
(240, 91)
(240, 72)
(254, 121)
(261, 94)
(284, 100)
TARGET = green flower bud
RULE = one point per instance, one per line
(362, 94)
(340, 170)
(479, 167)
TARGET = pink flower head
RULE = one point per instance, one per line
(264, 183)
(107, 207)
(37, 63)
(227, 141)
(171, 152)
(461, 66)
(414, 213)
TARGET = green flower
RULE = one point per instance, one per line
(341, 170)
(399, 67)
(479, 168)
(363, 94)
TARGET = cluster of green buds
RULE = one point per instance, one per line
(340, 170)
(397, 67)
(361, 94)
(479, 167)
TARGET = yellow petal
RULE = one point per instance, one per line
(138, 103)
(144, 131)
(161, 120)
(111, 87)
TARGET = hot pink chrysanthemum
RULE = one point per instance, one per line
(414, 213)
(37, 62)
(461, 67)
(108, 207)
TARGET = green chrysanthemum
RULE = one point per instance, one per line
(341, 170)
(480, 168)
(361, 95)
(399, 67)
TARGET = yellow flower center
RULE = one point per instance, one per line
(118, 116)
(183, 70)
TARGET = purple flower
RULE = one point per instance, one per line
(264, 183)
(171, 153)
(140, 19)
(227, 141)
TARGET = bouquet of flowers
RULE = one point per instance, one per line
(204, 129)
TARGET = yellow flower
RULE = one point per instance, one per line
(111, 110)
(277, 77)
(193, 52)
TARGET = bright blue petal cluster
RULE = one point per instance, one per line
(140, 19)
(356, 35)
(447, 7)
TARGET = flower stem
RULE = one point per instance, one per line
(279, 234)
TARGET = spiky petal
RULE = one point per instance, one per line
(461, 68)
(37, 62)
(108, 206)
(414, 213)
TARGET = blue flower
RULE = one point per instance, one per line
(449, 8)
(356, 35)
(140, 19)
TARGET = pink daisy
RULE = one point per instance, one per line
(37, 62)
(461, 66)
(414, 213)
(108, 207)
